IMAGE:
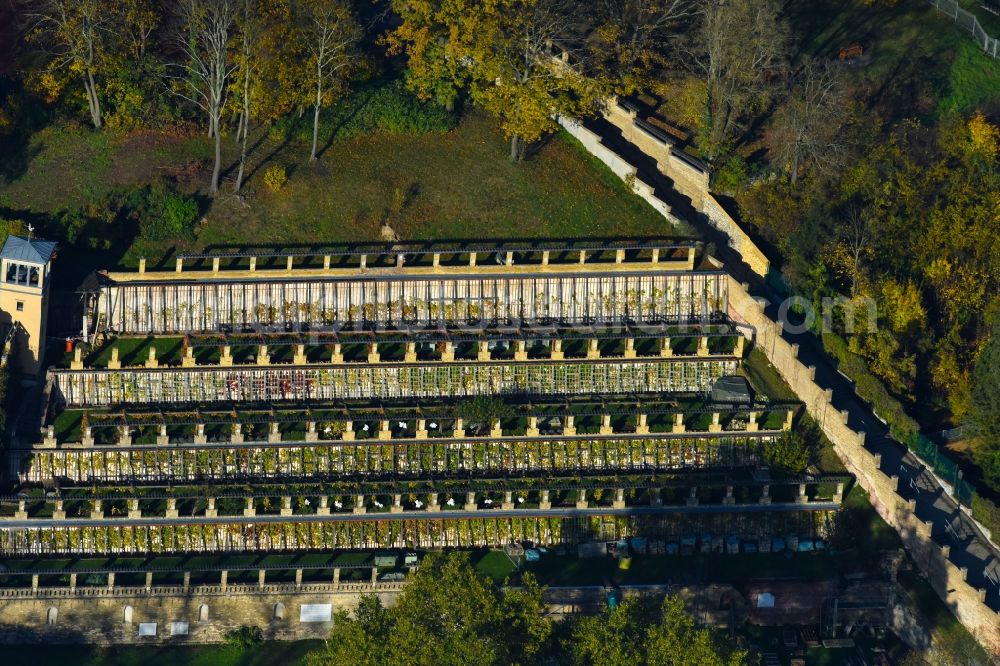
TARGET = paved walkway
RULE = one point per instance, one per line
(952, 527)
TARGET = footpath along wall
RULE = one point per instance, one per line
(689, 177)
(948, 580)
(966, 602)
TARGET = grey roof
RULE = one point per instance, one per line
(731, 388)
(21, 249)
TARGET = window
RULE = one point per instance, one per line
(20, 306)
(22, 274)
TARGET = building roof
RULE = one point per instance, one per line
(731, 388)
(34, 250)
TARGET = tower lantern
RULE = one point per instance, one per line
(24, 293)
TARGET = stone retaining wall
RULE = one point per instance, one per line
(103, 617)
(209, 615)
(966, 602)
(689, 180)
(620, 167)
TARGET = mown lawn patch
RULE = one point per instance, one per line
(425, 184)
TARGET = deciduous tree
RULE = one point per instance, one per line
(508, 48)
(502, 50)
(807, 127)
(423, 35)
(259, 23)
(984, 408)
(643, 631)
(74, 32)
(633, 38)
(330, 33)
(447, 614)
(206, 38)
(740, 51)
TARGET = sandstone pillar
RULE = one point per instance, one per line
(765, 494)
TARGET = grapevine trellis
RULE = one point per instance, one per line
(183, 306)
(349, 381)
(373, 533)
(398, 459)
(92, 388)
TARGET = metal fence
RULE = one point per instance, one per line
(946, 468)
(968, 21)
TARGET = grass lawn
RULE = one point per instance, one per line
(457, 184)
(271, 653)
(765, 378)
(921, 63)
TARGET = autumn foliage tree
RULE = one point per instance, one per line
(330, 34)
(423, 35)
(74, 35)
(984, 407)
(502, 51)
(633, 39)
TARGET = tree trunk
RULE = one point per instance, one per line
(93, 100)
(218, 158)
(316, 108)
(239, 125)
(516, 148)
(243, 162)
(244, 123)
(795, 167)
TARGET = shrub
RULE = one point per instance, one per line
(163, 213)
(789, 452)
(379, 106)
(275, 177)
(870, 388)
(732, 176)
(245, 637)
(11, 227)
